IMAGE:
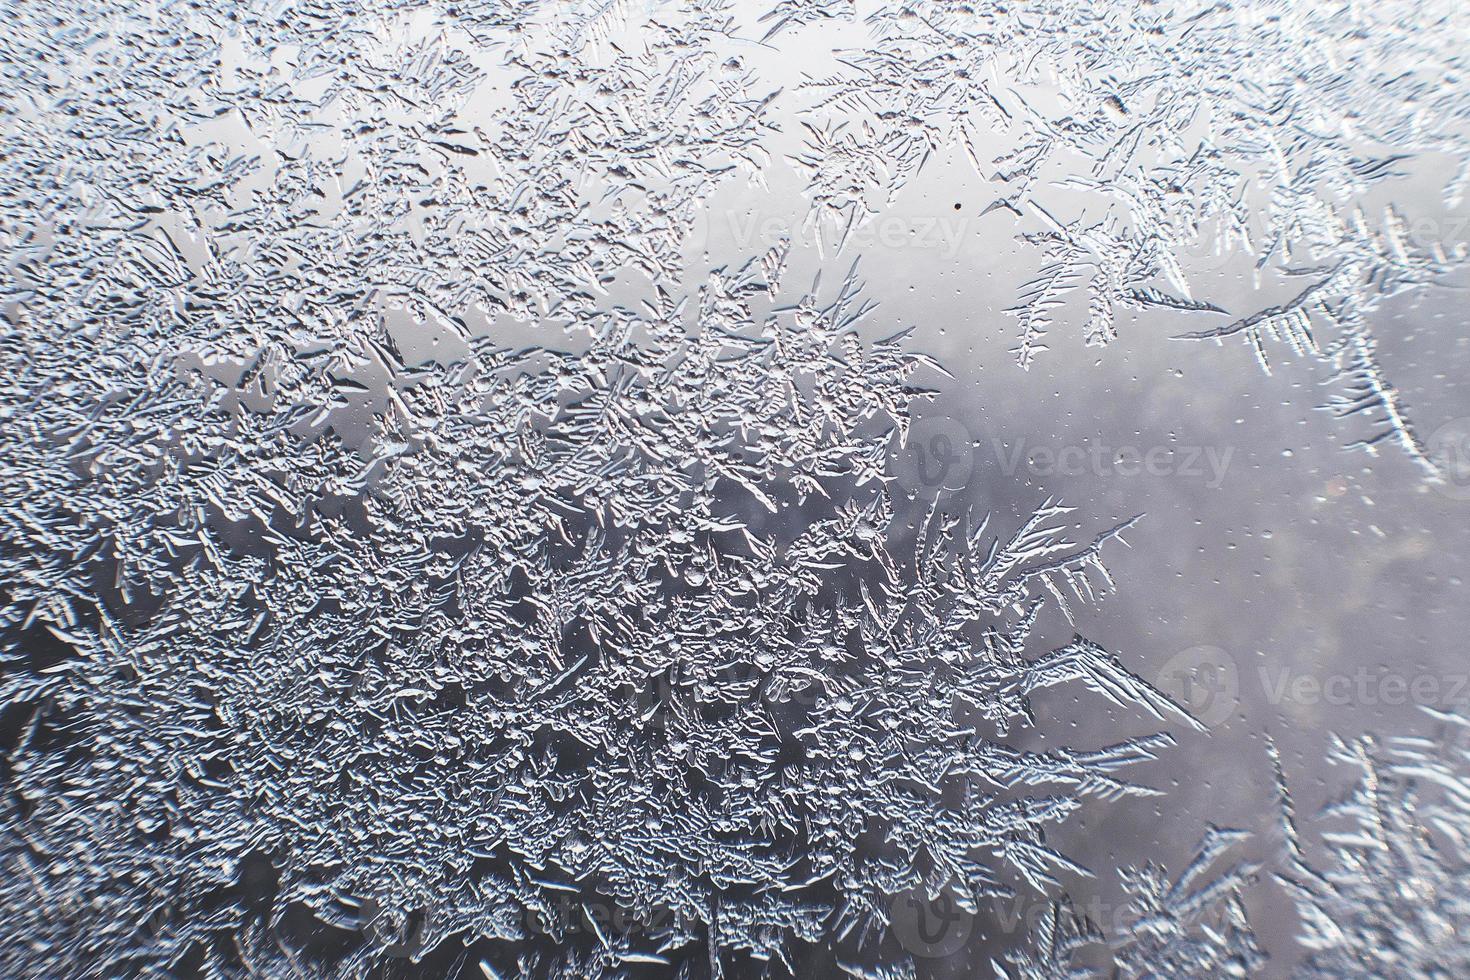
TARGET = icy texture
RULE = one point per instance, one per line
(412, 561)
(1195, 925)
(1393, 897)
(1144, 145)
(1380, 880)
(327, 603)
(551, 651)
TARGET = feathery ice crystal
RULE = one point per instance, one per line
(411, 560)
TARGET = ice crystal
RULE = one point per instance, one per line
(345, 625)
(1380, 880)
(1193, 925)
(1141, 145)
(416, 558)
(535, 644)
(1392, 896)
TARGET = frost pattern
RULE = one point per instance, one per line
(409, 564)
(342, 628)
(1393, 897)
(1194, 925)
(1380, 880)
(1142, 144)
